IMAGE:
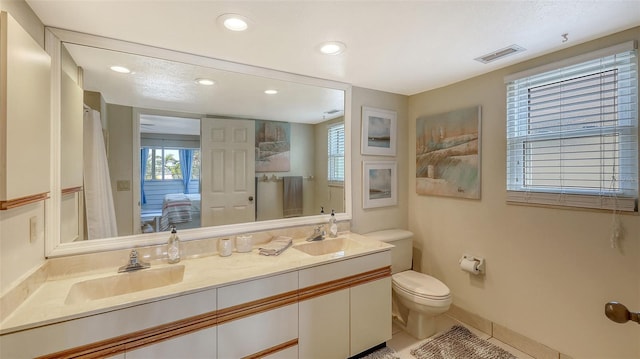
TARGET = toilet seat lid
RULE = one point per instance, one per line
(421, 285)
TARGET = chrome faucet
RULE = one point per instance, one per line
(134, 264)
(318, 234)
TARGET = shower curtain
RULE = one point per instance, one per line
(100, 212)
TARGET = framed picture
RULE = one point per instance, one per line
(273, 142)
(378, 132)
(380, 184)
(448, 153)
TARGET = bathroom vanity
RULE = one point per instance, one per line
(335, 291)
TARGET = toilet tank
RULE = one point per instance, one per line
(402, 252)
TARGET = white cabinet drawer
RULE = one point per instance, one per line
(289, 353)
(257, 289)
(74, 333)
(332, 271)
(196, 345)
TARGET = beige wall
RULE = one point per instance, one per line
(373, 219)
(120, 129)
(549, 271)
(19, 255)
(25, 17)
(270, 193)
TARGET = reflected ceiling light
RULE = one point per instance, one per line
(332, 47)
(234, 22)
(271, 92)
(205, 82)
(120, 69)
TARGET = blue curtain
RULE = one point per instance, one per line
(186, 160)
(144, 153)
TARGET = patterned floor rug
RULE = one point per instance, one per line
(456, 343)
(384, 353)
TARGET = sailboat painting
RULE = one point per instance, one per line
(380, 184)
(448, 154)
(378, 132)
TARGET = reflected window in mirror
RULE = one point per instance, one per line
(335, 140)
(166, 164)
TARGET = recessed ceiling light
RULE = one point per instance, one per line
(205, 82)
(234, 22)
(332, 47)
(120, 69)
(271, 92)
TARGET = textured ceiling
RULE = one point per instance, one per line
(403, 47)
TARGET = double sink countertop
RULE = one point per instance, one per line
(88, 292)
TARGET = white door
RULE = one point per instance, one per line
(228, 171)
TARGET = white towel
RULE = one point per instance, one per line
(276, 246)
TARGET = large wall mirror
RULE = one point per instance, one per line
(156, 146)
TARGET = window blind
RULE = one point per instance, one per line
(572, 134)
(336, 153)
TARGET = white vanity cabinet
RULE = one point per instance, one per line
(347, 304)
(259, 318)
(324, 326)
(25, 116)
(370, 314)
(336, 308)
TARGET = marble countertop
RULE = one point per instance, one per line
(46, 305)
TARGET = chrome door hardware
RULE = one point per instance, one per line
(619, 313)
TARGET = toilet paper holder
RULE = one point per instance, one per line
(471, 264)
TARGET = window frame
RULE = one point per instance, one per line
(152, 168)
(333, 154)
(518, 134)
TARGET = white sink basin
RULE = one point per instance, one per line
(124, 283)
(327, 246)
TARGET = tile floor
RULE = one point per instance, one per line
(402, 342)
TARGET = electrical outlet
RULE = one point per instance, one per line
(33, 229)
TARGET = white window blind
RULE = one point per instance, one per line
(336, 153)
(572, 134)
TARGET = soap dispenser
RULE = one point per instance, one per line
(333, 225)
(173, 247)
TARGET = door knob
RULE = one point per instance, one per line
(619, 313)
(250, 198)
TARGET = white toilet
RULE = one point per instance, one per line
(417, 297)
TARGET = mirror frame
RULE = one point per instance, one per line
(54, 38)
